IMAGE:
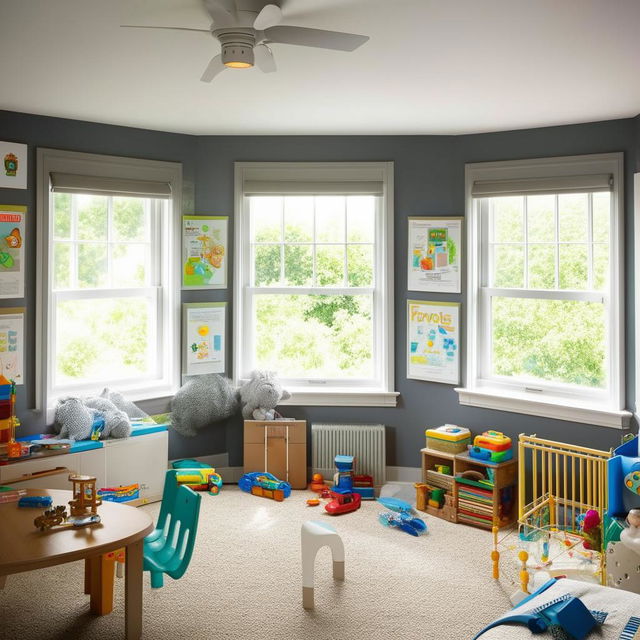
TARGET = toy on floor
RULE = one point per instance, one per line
(265, 485)
(344, 499)
(566, 617)
(363, 485)
(317, 483)
(198, 476)
(314, 536)
(403, 521)
(313, 502)
(395, 504)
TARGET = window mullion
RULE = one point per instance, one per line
(590, 241)
(525, 233)
(556, 220)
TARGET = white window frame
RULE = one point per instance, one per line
(165, 287)
(546, 400)
(313, 393)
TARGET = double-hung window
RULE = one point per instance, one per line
(314, 279)
(108, 287)
(545, 332)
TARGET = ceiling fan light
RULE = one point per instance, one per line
(237, 56)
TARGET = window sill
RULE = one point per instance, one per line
(558, 409)
(341, 398)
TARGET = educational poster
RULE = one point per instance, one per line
(433, 336)
(12, 251)
(204, 252)
(203, 326)
(12, 344)
(13, 170)
(435, 253)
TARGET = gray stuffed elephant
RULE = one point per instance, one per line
(260, 395)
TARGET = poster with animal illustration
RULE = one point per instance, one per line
(13, 165)
(12, 344)
(435, 251)
(433, 336)
(12, 251)
(204, 252)
(203, 327)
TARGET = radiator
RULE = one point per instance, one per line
(366, 442)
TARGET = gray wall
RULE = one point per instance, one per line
(429, 180)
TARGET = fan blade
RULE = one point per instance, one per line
(320, 38)
(264, 58)
(213, 69)
(141, 26)
(223, 12)
(270, 16)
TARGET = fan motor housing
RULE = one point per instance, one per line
(237, 46)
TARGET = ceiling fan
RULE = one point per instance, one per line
(246, 28)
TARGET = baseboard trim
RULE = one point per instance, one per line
(404, 474)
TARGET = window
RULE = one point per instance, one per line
(109, 292)
(545, 308)
(313, 285)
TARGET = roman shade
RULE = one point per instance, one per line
(103, 186)
(538, 186)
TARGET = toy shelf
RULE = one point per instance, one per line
(479, 504)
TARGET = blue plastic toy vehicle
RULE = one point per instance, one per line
(263, 483)
(404, 521)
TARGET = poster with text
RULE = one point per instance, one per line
(203, 326)
(204, 252)
(13, 170)
(433, 336)
(12, 344)
(12, 251)
(435, 254)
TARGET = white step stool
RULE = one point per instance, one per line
(315, 535)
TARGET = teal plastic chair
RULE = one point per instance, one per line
(156, 538)
(174, 554)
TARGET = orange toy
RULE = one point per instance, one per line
(317, 483)
(313, 502)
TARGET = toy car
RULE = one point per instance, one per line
(262, 483)
(343, 503)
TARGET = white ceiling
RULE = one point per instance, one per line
(430, 67)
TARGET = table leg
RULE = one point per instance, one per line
(87, 575)
(3, 580)
(133, 591)
(101, 579)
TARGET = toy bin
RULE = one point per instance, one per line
(449, 438)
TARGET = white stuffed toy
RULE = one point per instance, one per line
(260, 395)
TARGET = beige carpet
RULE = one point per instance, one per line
(244, 582)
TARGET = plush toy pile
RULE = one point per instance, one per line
(206, 399)
(76, 418)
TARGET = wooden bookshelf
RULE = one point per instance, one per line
(477, 503)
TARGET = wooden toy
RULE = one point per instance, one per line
(85, 497)
(51, 518)
(314, 536)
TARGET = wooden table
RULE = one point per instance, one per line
(23, 548)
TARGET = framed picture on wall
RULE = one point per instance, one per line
(13, 165)
(204, 252)
(433, 341)
(12, 344)
(12, 241)
(435, 254)
(203, 337)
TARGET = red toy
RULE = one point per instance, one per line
(344, 499)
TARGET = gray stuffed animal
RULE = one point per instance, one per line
(201, 401)
(260, 396)
(74, 418)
